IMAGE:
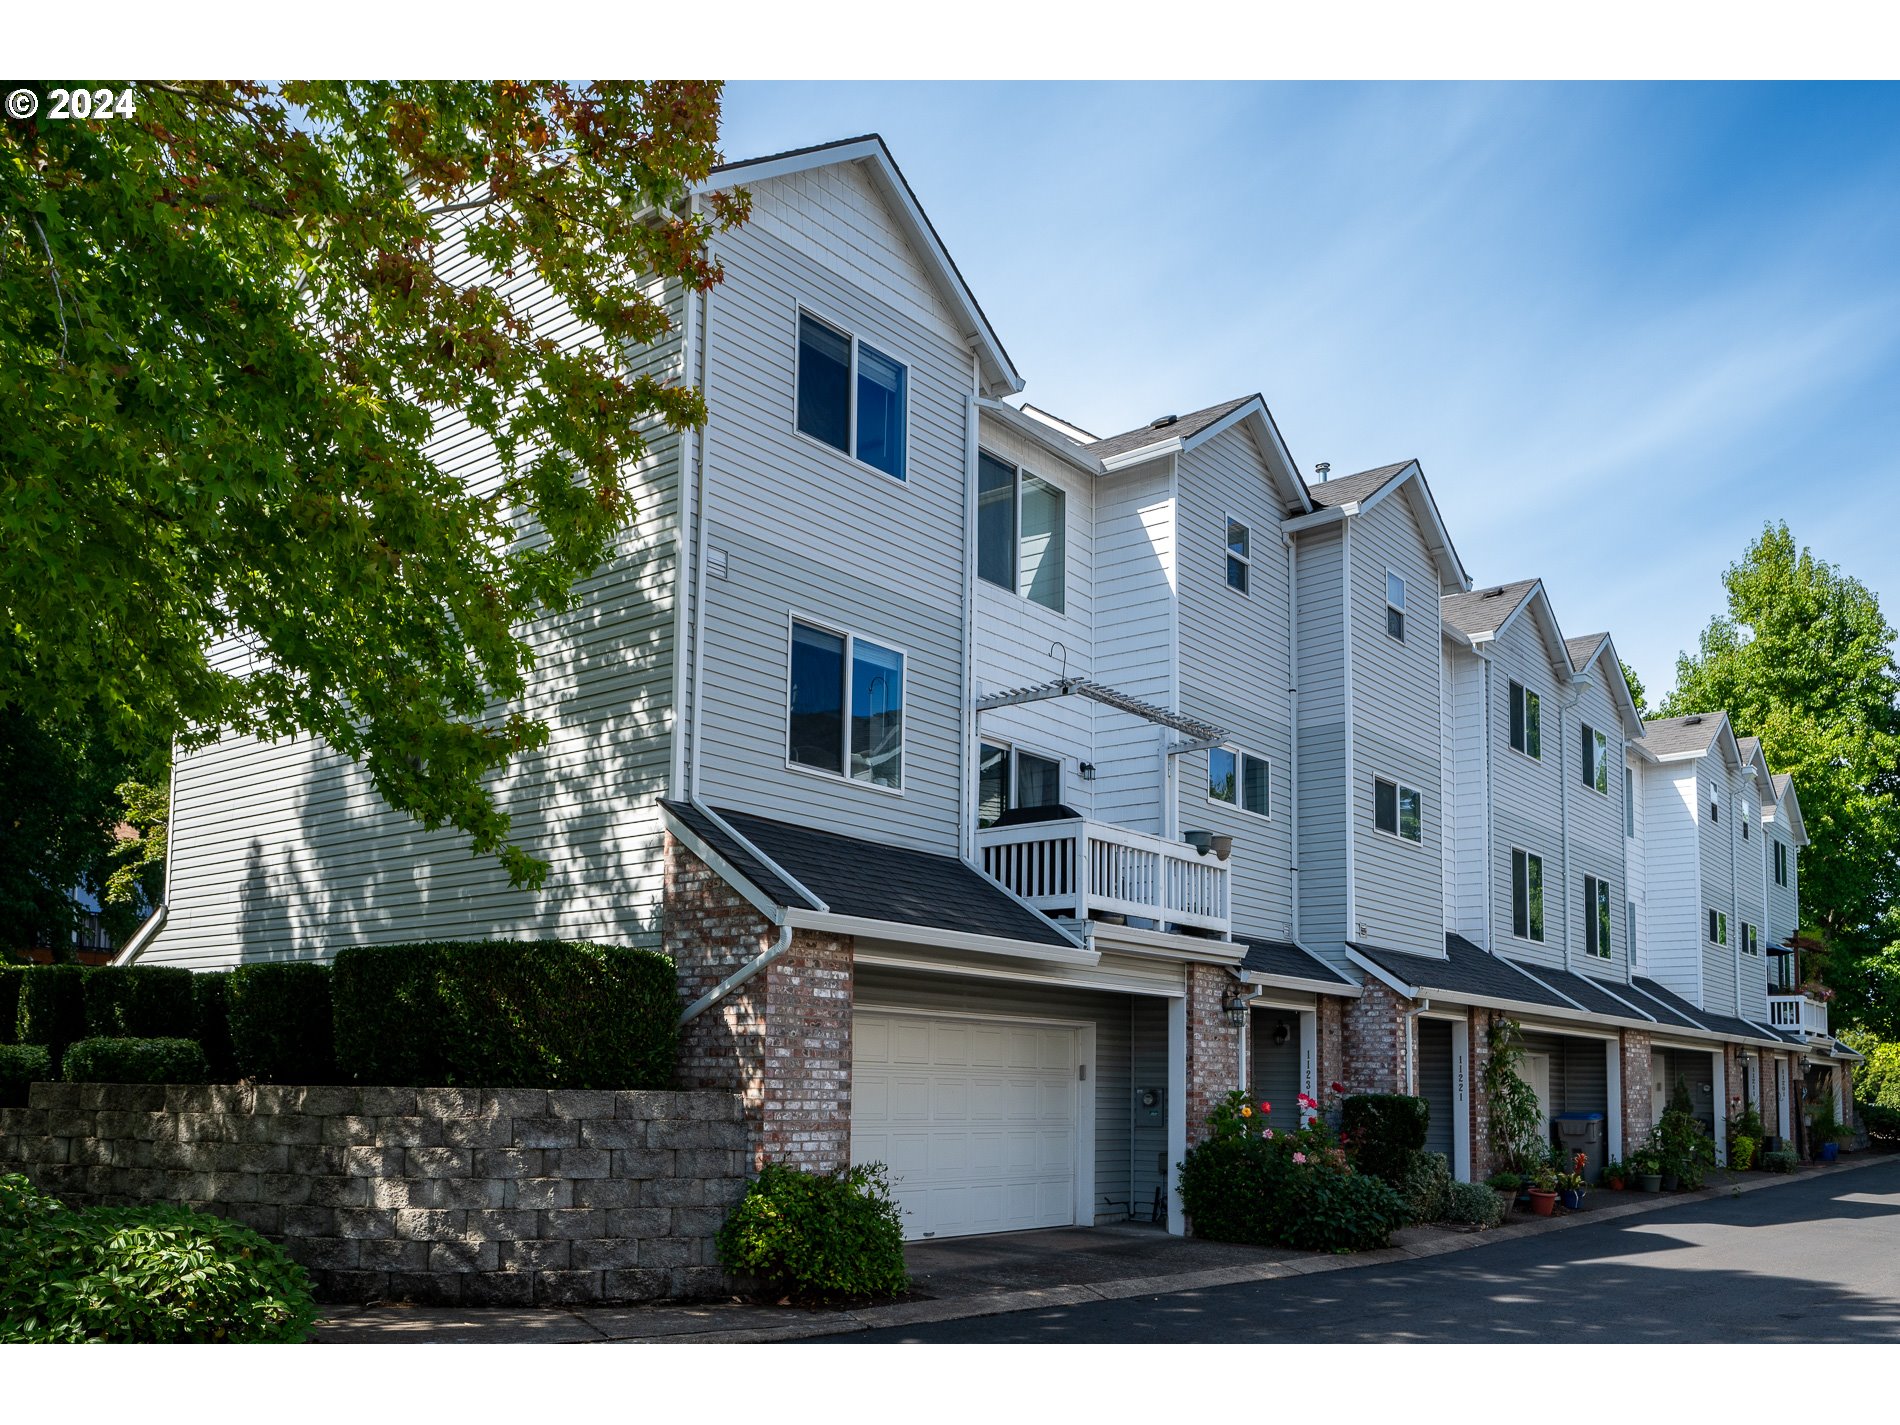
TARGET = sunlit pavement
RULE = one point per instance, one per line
(1812, 1261)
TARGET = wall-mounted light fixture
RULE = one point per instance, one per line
(1087, 769)
(1236, 1007)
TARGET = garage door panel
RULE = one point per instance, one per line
(976, 1121)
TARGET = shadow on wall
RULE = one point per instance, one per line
(332, 865)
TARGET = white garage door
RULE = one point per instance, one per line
(975, 1118)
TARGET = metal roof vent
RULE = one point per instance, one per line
(1323, 469)
(1496, 593)
(1695, 721)
(1160, 421)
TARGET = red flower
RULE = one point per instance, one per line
(1338, 1087)
(1266, 1107)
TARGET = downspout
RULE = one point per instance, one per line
(683, 562)
(1409, 1018)
(1735, 911)
(155, 922)
(1293, 726)
(1352, 790)
(1490, 847)
(967, 762)
(1563, 813)
(698, 617)
(739, 976)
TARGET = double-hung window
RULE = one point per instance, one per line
(1629, 931)
(1781, 863)
(1394, 606)
(1596, 916)
(1596, 760)
(847, 706)
(1398, 810)
(1527, 896)
(1527, 721)
(1629, 801)
(1239, 779)
(1751, 941)
(1715, 806)
(1239, 555)
(1746, 819)
(851, 396)
(1718, 927)
(1008, 778)
(1021, 532)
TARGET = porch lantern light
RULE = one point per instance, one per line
(1237, 1007)
(1281, 1033)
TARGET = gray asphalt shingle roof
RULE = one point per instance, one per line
(1592, 995)
(1483, 611)
(1466, 969)
(1283, 958)
(1663, 736)
(1668, 1006)
(1180, 428)
(869, 879)
(1349, 489)
(1582, 649)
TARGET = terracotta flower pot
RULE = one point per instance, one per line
(1542, 1202)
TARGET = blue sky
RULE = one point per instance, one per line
(1621, 326)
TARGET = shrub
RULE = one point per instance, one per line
(20, 1065)
(211, 1022)
(1780, 1160)
(1386, 1131)
(817, 1236)
(53, 1007)
(135, 1061)
(1474, 1204)
(1741, 1153)
(138, 1002)
(1883, 1123)
(1426, 1187)
(280, 1023)
(507, 1014)
(149, 1274)
(11, 978)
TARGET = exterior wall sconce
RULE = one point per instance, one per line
(1236, 1007)
(1087, 769)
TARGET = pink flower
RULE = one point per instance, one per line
(1268, 1133)
(1299, 1157)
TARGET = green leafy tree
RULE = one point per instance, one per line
(1638, 694)
(1803, 659)
(231, 328)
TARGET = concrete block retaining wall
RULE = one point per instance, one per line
(502, 1196)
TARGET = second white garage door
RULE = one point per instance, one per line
(975, 1118)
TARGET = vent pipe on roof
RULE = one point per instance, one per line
(1323, 469)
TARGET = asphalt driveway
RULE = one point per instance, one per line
(1812, 1261)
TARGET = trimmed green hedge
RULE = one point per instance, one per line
(11, 978)
(211, 1022)
(135, 1061)
(281, 1024)
(53, 1007)
(138, 1002)
(20, 1065)
(506, 1014)
(817, 1236)
(1386, 1133)
(141, 1274)
(1251, 1190)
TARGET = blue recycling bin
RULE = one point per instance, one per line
(1585, 1133)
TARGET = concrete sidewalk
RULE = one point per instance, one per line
(984, 1276)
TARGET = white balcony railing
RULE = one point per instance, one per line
(1077, 868)
(1800, 1014)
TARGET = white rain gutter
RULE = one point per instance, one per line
(1410, 1018)
(739, 976)
(1293, 723)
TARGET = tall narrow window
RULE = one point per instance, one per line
(1596, 760)
(1239, 555)
(1629, 801)
(1750, 944)
(1038, 780)
(1021, 532)
(1398, 810)
(1240, 779)
(1715, 806)
(1718, 927)
(1629, 931)
(1394, 606)
(1527, 721)
(851, 396)
(1781, 863)
(1527, 896)
(1008, 778)
(1596, 916)
(992, 783)
(846, 712)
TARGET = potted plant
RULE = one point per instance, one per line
(1684, 1148)
(1828, 1131)
(1614, 1175)
(1543, 1188)
(1505, 1185)
(1570, 1185)
(1518, 1128)
(1646, 1166)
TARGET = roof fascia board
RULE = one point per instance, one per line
(1254, 412)
(1294, 982)
(1795, 823)
(931, 935)
(1332, 514)
(1381, 974)
(724, 869)
(1038, 434)
(1171, 446)
(1451, 568)
(1607, 655)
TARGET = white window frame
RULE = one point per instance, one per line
(1533, 933)
(1245, 561)
(1751, 938)
(1629, 800)
(1399, 789)
(1718, 922)
(1592, 925)
(1781, 864)
(850, 648)
(1524, 690)
(1597, 765)
(1018, 470)
(1239, 803)
(849, 333)
(1629, 930)
(1715, 806)
(1015, 751)
(1392, 608)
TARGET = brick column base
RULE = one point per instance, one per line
(782, 1040)
(1213, 1046)
(1483, 1161)
(1638, 1112)
(1375, 1033)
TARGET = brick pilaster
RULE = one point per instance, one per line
(1638, 1112)
(1374, 1031)
(1483, 1164)
(1213, 1046)
(1330, 1022)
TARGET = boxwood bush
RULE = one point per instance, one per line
(817, 1236)
(20, 1065)
(11, 977)
(1427, 1187)
(1294, 1190)
(211, 1022)
(506, 1014)
(53, 1007)
(138, 1002)
(280, 1022)
(1386, 1132)
(1474, 1204)
(135, 1061)
(141, 1274)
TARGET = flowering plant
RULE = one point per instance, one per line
(1573, 1180)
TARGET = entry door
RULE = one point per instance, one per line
(1783, 1126)
(1435, 1085)
(975, 1118)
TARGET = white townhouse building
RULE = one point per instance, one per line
(1006, 794)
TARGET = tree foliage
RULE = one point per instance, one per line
(1803, 659)
(236, 330)
(1638, 694)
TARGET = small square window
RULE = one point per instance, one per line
(1239, 779)
(851, 396)
(1398, 810)
(1394, 606)
(1239, 555)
